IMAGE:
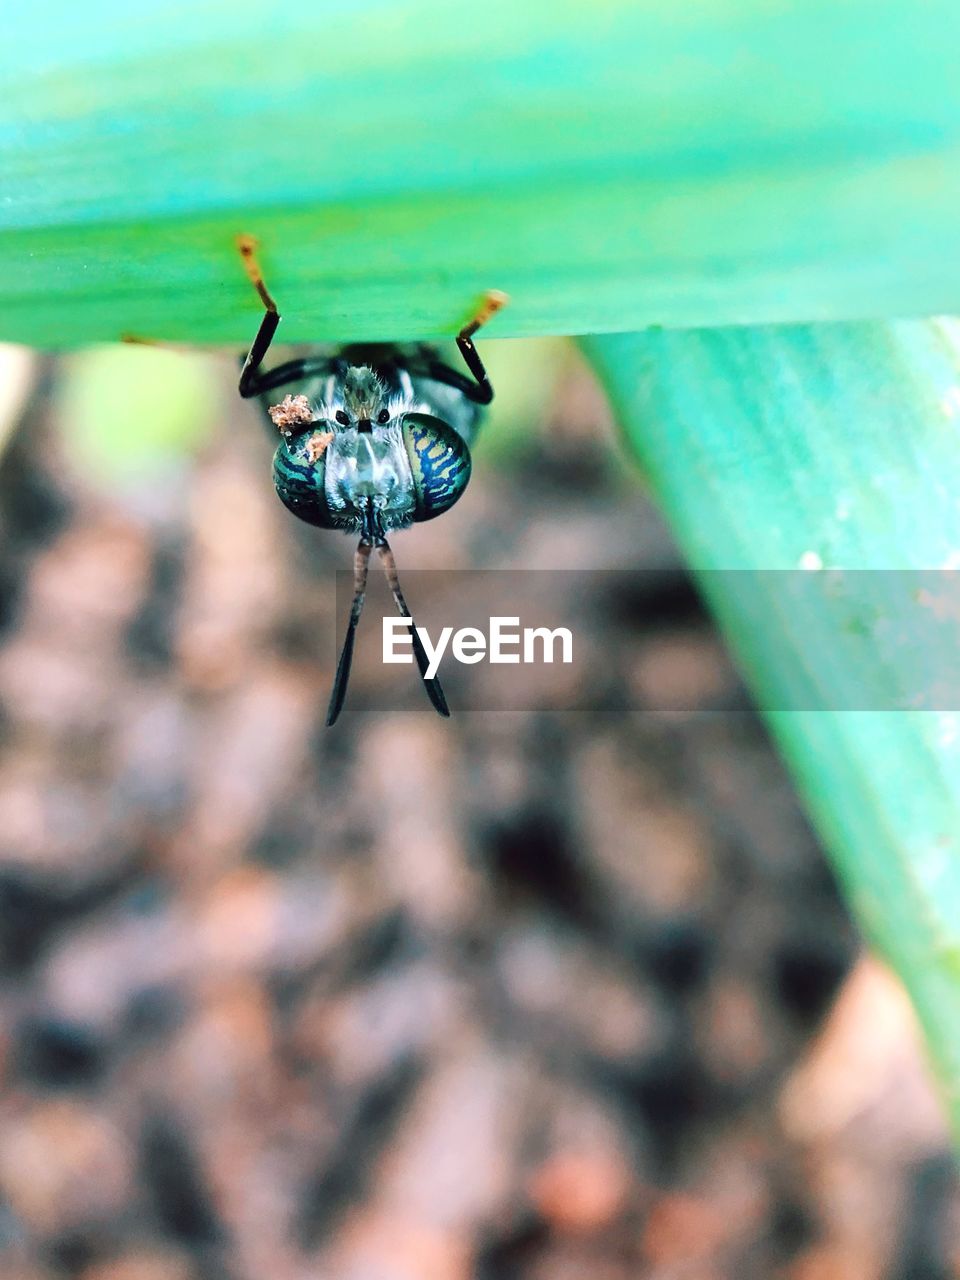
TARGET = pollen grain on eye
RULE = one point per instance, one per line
(317, 445)
(292, 411)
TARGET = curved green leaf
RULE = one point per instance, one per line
(777, 449)
(610, 164)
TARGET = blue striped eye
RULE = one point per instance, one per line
(440, 462)
(299, 468)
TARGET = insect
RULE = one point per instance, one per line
(377, 438)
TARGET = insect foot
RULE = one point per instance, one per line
(247, 246)
(494, 300)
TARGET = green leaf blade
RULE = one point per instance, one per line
(610, 165)
(838, 445)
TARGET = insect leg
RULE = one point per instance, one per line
(493, 300)
(253, 382)
(431, 683)
(361, 562)
(291, 371)
(249, 374)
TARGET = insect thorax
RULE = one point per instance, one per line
(403, 373)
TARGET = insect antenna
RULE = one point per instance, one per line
(430, 683)
(361, 562)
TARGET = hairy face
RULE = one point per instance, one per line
(363, 394)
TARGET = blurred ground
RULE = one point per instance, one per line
(531, 996)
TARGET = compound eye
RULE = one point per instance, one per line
(383, 417)
(439, 462)
(299, 474)
(342, 418)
